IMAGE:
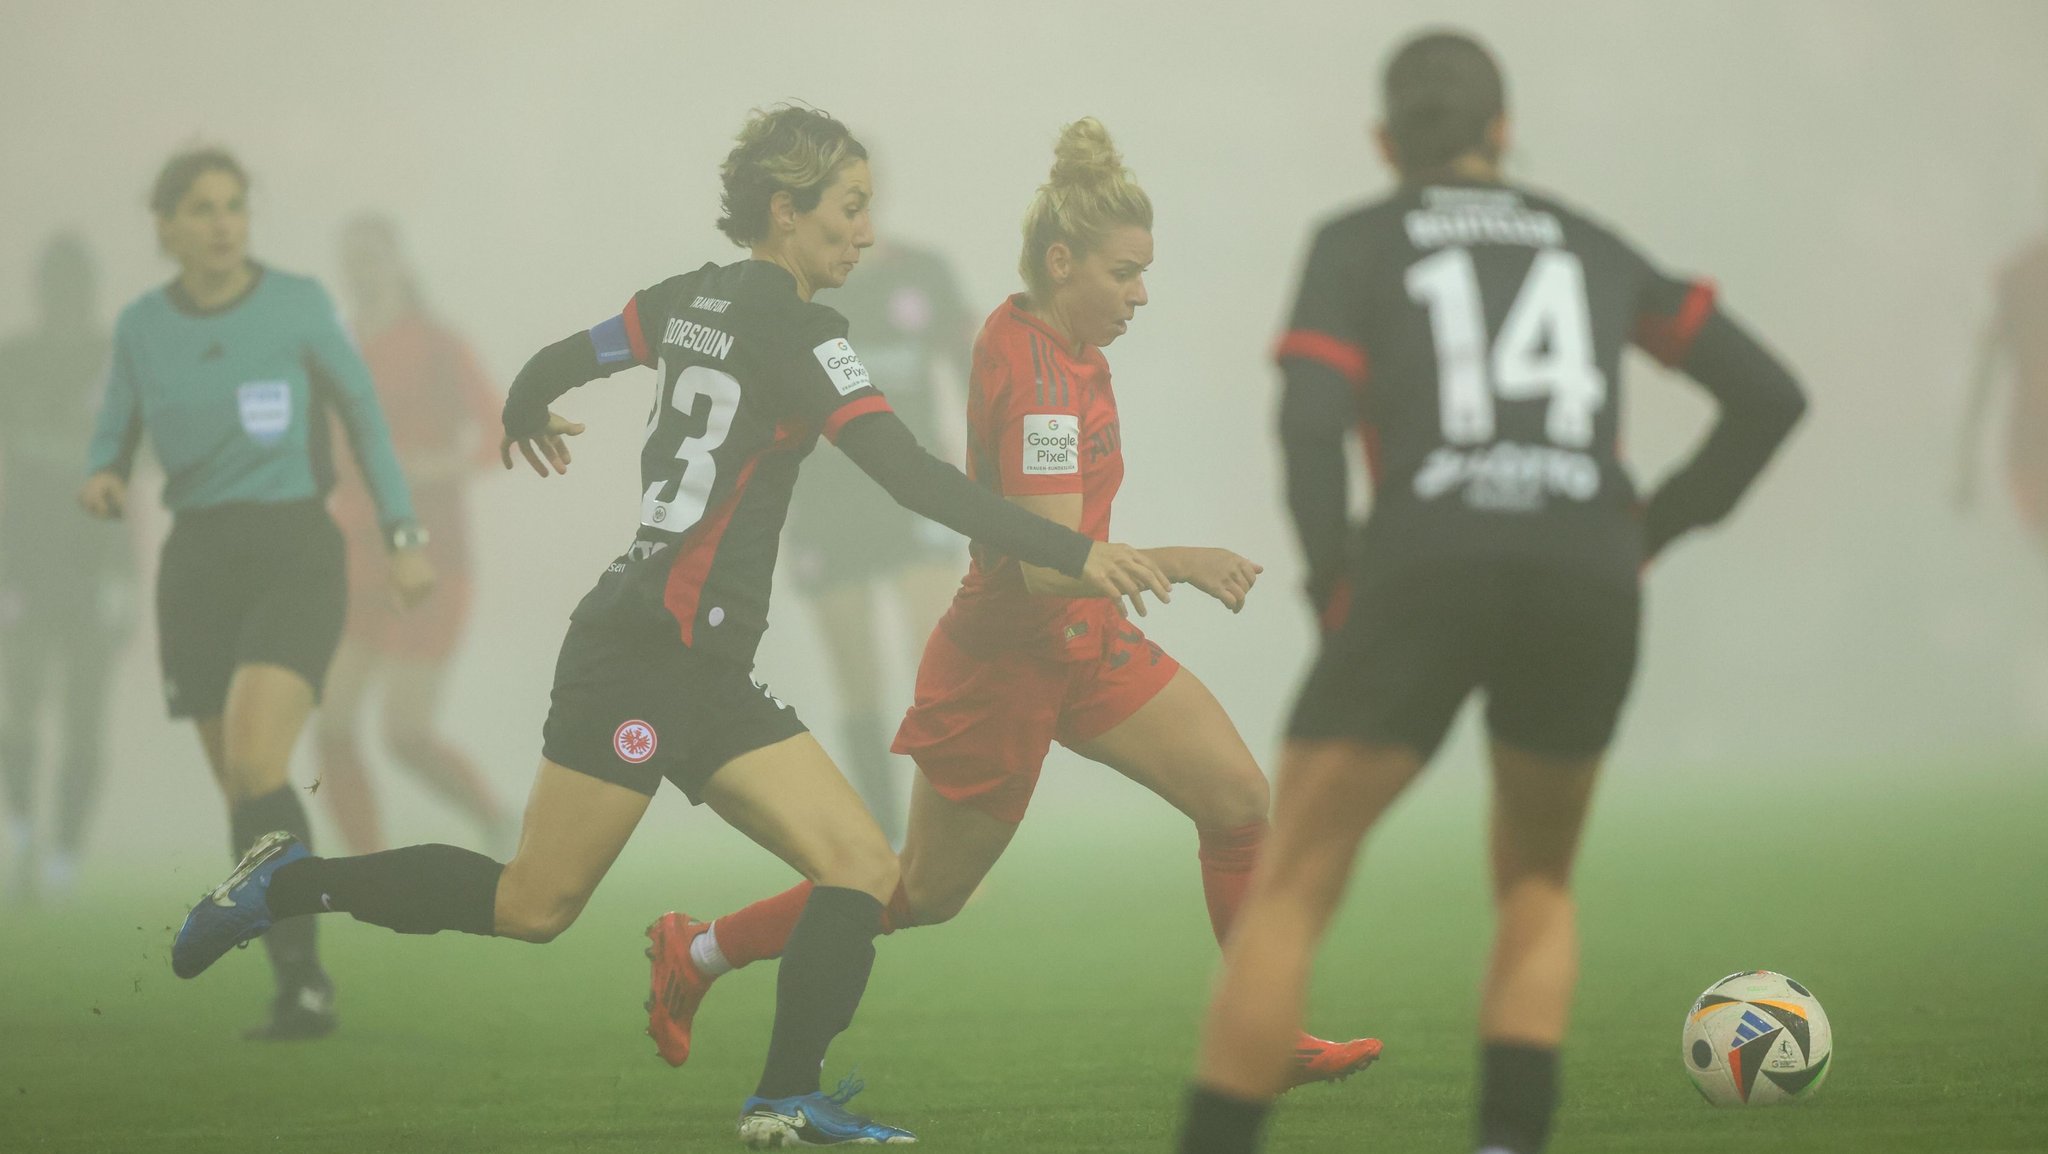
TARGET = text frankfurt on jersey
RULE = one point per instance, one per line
(1468, 216)
(1507, 477)
(697, 338)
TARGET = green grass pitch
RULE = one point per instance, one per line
(1058, 1014)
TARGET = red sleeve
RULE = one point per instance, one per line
(1038, 441)
(1671, 316)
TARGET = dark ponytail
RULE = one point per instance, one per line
(1442, 91)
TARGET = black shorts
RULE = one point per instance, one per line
(845, 530)
(247, 584)
(632, 709)
(1554, 651)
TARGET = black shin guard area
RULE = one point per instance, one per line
(1517, 1096)
(420, 889)
(1220, 1124)
(292, 943)
(824, 972)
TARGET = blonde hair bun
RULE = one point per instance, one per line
(1088, 195)
(1085, 155)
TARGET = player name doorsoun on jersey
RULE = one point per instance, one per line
(1481, 327)
(749, 376)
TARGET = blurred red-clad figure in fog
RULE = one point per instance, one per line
(443, 414)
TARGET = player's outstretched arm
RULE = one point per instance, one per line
(1220, 573)
(883, 448)
(1760, 403)
(529, 426)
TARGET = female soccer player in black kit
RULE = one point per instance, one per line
(654, 679)
(1473, 330)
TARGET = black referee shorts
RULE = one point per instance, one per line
(247, 584)
(1554, 652)
(631, 708)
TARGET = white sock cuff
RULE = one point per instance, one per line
(705, 953)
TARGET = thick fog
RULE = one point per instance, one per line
(1851, 173)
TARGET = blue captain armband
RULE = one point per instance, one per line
(610, 341)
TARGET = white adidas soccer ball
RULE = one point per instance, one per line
(1757, 1038)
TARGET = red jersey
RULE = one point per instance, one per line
(443, 415)
(1041, 419)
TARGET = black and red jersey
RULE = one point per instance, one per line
(750, 375)
(1481, 327)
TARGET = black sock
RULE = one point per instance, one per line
(419, 889)
(872, 771)
(824, 972)
(292, 945)
(1220, 1124)
(1517, 1096)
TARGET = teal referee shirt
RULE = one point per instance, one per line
(234, 398)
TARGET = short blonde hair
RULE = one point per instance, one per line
(1089, 194)
(785, 148)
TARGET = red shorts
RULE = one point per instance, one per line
(982, 725)
(428, 632)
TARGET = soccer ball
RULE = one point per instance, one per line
(1757, 1038)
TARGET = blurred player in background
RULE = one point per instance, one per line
(1473, 331)
(654, 680)
(230, 369)
(1026, 657)
(443, 415)
(2018, 338)
(848, 542)
(67, 586)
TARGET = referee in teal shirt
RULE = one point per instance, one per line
(230, 369)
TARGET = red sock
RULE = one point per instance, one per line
(759, 931)
(1227, 859)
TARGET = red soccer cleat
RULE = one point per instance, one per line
(677, 986)
(1317, 1060)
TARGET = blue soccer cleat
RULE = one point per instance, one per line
(235, 912)
(818, 1119)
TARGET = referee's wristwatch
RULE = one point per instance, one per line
(406, 537)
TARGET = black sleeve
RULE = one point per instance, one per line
(554, 370)
(882, 445)
(1760, 402)
(1315, 409)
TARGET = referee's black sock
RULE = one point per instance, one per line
(1218, 1123)
(419, 889)
(1517, 1096)
(292, 945)
(824, 972)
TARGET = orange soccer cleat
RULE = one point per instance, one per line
(677, 985)
(1318, 1060)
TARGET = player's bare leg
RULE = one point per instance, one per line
(949, 850)
(1539, 811)
(344, 779)
(1182, 746)
(574, 828)
(1329, 794)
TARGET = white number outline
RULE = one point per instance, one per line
(700, 384)
(1545, 346)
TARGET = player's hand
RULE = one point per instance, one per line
(412, 577)
(546, 449)
(1120, 571)
(105, 495)
(1221, 574)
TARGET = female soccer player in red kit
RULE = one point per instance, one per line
(1025, 656)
